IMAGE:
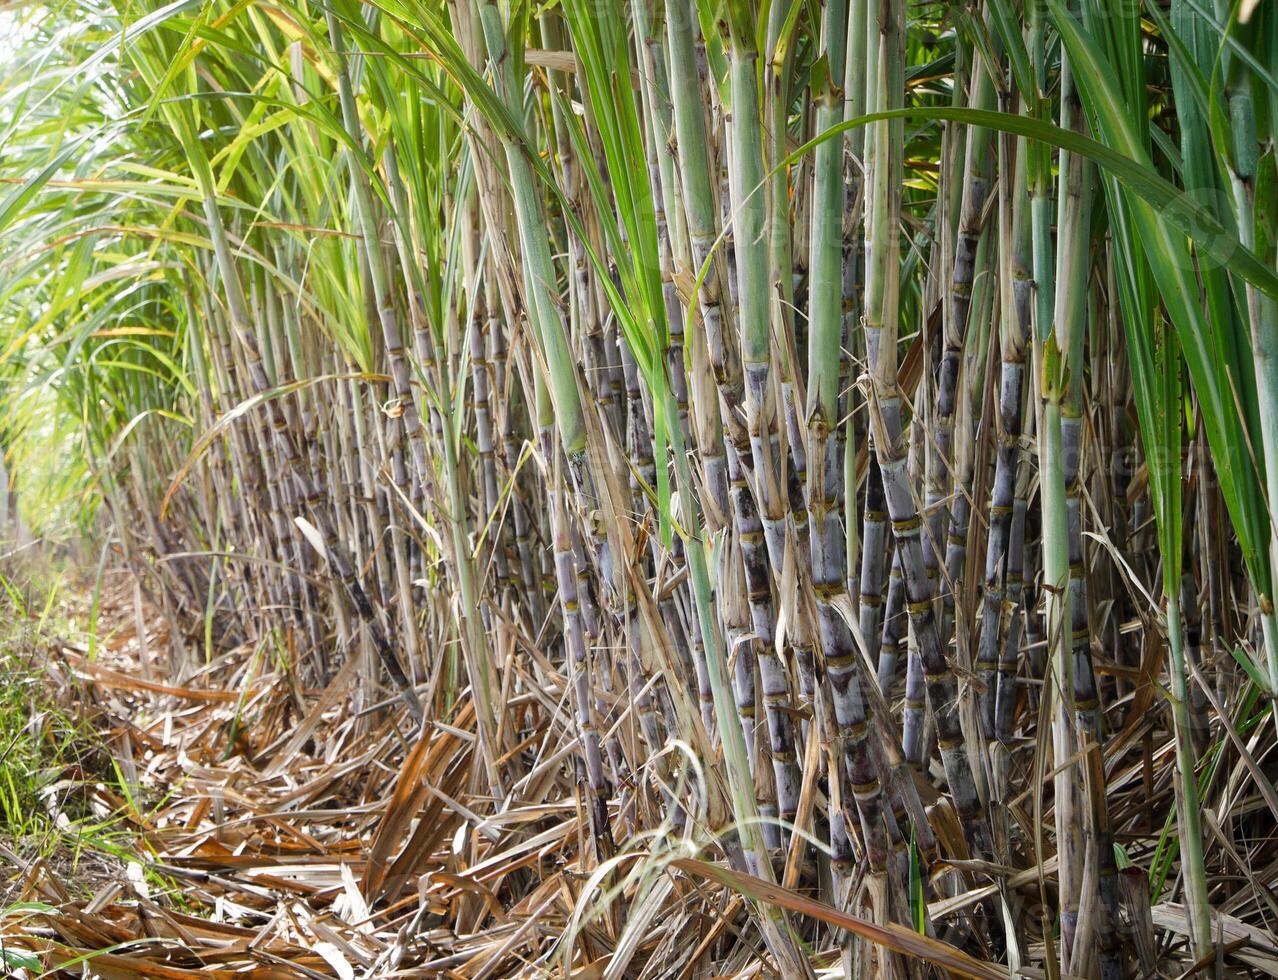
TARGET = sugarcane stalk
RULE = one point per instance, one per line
(758, 591)
(854, 718)
(579, 672)
(1059, 354)
(1243, 167)
(944, 476)
(881, 328)
(551, 333)
(964, 449)
(875, 547)
(892, 640)
(1086, 695)
(749, 221)
(1014, 329)
(703, 224)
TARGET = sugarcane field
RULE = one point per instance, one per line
(639, 489)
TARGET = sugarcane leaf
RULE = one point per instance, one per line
(312, 535)
(918, 903)
(14, 202)
(890, 936)
(1174, 206)
(1182, 60)
(1013, 40)
(975, 29)
(1208, 346)
(1236, 48)
(1249, 667)
(17, 959)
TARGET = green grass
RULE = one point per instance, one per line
(37, 739)
(49, 753)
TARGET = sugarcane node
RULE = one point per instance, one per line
(907, 526)
(937, 677)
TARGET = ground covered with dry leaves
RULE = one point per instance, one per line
(258, 829)
(234, 824)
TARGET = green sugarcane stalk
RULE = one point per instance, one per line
(1059, 349)
(749, 222)
(700, 209)
(854, 718)
(1241, 162)
(883, 269)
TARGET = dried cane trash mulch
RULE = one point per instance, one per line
(282, 833)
